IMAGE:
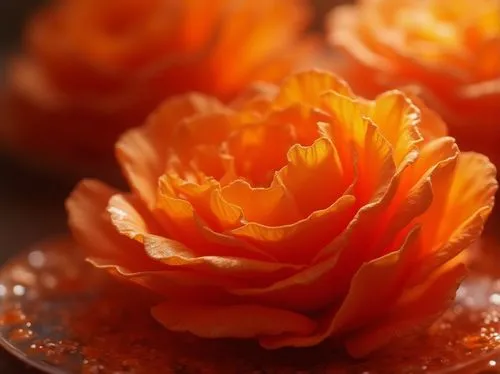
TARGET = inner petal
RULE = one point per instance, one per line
(260, 150)
(314, 176)
(271, 206)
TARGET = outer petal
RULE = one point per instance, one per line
(180, 285)
(474, 187)
(426, 303)
(361, 305)
(91, 226)
(231, 321)
(467, 205)
(176, 255)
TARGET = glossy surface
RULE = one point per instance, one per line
(61, 316)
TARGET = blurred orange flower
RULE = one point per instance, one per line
(449, 49)
(297, 213)
(93, 68)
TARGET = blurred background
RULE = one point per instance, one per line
(31, 201)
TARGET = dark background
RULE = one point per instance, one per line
(31, 201)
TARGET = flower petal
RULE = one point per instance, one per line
(230, 321)
(467, 205)
(432, 298)
(181, 285)
(385, 274)
(270, 206)
(92, 228)
(254, 272)
(375, 157)
(314, 176)
(431, 125)
(292, 243)
(307, 88)
(397, 119)
(202, 129)
(207, 201)
(180, 220)
(141, 152)
(246, 147)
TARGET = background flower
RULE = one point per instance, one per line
(91, 68)
(448, 49)
(295, 214)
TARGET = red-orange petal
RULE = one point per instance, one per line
(231, 321)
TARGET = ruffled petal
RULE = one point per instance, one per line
(271, 206)
(207, 201)
(473, 188)
(181, 285)
(314, 176)
(304, 120)
(292, 243)
(181, 221)
(397, 119)
(202, 130)
(307, 87)
(375, 160)
(247, 145)
(431, 126)
(361, 305)
(141, 152)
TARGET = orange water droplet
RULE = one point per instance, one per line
(12, 317)
(20, 334)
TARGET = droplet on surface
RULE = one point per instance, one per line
(36, 259)
(19, 290)
(20, 334)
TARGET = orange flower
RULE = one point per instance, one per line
(295, 214)
(93, 68)
(449, 49)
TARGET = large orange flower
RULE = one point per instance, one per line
(449, 49)
(93, 68)
(295, 214)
